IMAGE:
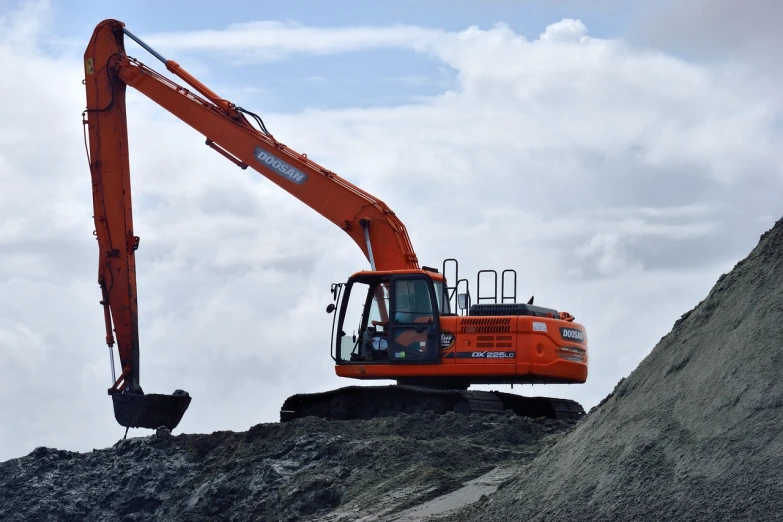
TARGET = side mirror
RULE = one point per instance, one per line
(330, 308)
(462, 301)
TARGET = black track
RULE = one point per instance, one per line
(368, 402)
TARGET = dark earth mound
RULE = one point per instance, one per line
(300, 470)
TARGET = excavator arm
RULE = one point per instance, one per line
(108, 70)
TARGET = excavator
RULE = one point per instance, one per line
(396, 321)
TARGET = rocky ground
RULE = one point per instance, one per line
(307, 469)
(692, 434)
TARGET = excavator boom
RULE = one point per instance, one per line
(108, 70)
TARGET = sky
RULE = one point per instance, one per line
(619, 155)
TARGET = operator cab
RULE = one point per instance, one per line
(388, 317)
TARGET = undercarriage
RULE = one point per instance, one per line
(368, 402)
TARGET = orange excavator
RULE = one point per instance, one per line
(396, 321)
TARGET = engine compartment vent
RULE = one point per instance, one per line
(485, 324)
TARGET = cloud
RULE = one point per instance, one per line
(270, 40)
(619, 182)
(566, 30)
(22, 27)
(747, 33)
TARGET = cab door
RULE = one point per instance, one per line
(414, 325)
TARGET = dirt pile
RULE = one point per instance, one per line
(308, 469)
(694, 433)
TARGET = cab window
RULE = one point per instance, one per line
(412, 302)
(413, 332)
(366, 317)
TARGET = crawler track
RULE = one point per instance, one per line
(367, 402)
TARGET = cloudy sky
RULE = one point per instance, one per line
(620, 155)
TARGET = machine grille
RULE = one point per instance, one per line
(486, 325)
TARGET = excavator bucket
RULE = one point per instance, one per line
(150, 411)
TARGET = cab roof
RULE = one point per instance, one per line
(371, 274)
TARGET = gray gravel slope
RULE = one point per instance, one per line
(694, 433)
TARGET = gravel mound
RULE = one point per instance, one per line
(694, 433)
(308, 469)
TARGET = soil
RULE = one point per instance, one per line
(307, 469)
(692, 434)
